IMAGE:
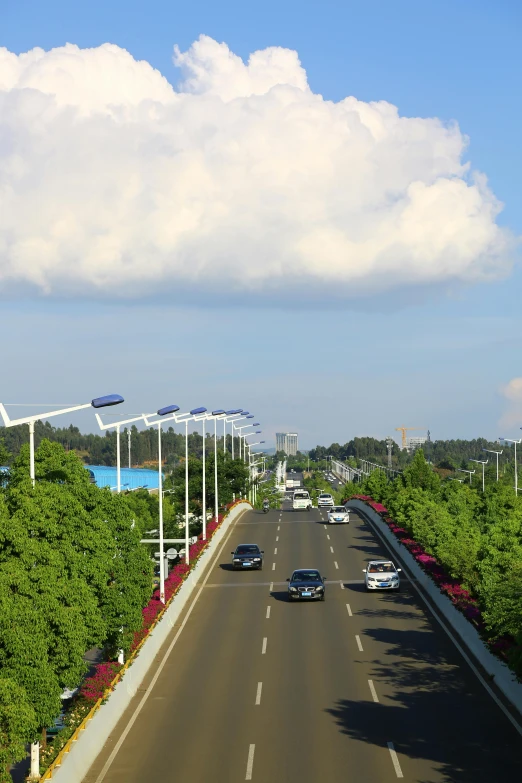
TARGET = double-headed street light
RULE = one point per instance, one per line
(118, 426)
(471, 472)
(482, 462)
(516, 442)
(490, 451)
(98, 402)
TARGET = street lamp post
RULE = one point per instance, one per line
(497, 453)
(244, 415)
(117, 426)
(482, 462)
(230, 416)
(98, 402)
(169, 409)
(471, 472)
(516, 442)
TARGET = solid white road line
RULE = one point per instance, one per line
(359, 644)
(335, 564)
(258, 694)
(250, 762)
(267, 612)
(160, 668)
(349, 610)
(263, 651)
(275, 551)
(373, 691)
(273, 566)
(331, 549)
(395, 760)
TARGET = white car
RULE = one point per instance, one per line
(382, 575)
(325, 499)
(338, 515)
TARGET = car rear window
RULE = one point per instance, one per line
(338, 510)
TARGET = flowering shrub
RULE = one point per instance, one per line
(460, 597)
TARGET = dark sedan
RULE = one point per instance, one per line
(247, 556)
(306, 584)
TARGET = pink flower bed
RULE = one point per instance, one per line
(458, 595)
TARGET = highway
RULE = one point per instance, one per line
(363, 687)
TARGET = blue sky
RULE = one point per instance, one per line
(420, 357)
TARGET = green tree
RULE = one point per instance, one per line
(17, 725)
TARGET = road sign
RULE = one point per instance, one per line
(172, 553)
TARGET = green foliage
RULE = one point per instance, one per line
(17, 721)
(476, 537)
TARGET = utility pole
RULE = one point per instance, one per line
(129, 445)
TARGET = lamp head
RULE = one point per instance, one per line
(168, 409)
(105, 402)
(196, 411)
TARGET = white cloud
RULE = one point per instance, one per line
(512, 416)
(243, 180)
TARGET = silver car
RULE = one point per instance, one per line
(338, 515)
(382, 575)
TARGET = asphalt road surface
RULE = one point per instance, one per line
(364, 687)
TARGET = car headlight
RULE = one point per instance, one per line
(293, 589)
(237, 560)
(320, 587)
(256, 558)
(371, 579)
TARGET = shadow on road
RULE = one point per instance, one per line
(432, 709)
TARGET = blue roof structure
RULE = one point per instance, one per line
(130, 478)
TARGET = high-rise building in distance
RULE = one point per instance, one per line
(287, 442)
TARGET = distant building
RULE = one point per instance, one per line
(130, 478)
(287, 442)
(415, 443)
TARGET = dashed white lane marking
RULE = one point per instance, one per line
(267, 612)
(327, 536)
(342, 585)
(359, 643)
(263, 651)
(331, 549)
(279, 527)
(258, 694)
(373, 691)
(275, 551)
(324, 527)
(349, 610)
(250, 762)
(273, 566)
(395, 760)
(277, 538)
(335, 564)
(271, 587)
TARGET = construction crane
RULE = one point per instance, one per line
(404, 430)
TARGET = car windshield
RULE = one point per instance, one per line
(379, 568)
(300, 495)
(306, 576)
(247, 549)
(338, 510)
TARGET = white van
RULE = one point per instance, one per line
(301, 500)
